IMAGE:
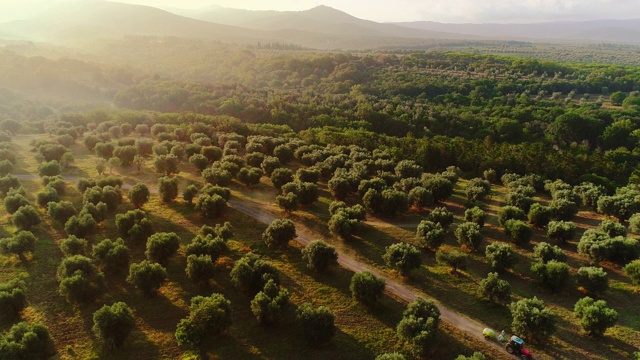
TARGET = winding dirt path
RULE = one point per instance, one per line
(401, 291)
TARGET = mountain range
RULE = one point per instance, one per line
(322, 27)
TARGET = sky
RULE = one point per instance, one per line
(453, 11)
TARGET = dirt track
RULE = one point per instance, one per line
(471, 327)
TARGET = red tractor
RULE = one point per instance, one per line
(515, 346)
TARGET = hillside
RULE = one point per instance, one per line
(620, 31)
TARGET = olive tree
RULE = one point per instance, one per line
(319, 256)
(402, 257)
(366, 288)
(419, 324)
(279, 233)
(147, 277)
(208, 316)
(112, 324)
(595, 317)
(318, 324)
(495, 289)
(532, 320)
(501, 256)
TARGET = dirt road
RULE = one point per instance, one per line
(399, 290)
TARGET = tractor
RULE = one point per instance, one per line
(515, 346)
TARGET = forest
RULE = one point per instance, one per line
(275, 202)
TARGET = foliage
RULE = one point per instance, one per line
(269, 305)
(19, 244)
(208, 316)
(250, 176)
(112, 324)
(366, 288)
(73, 246)
(532, 320)
(213, 246)
(27, 341)
(318, 324)
(319, 256)
(113, 255)
(544, 252)
(430, 234)
(200, 268)
(287, 202)
(469, 235)
(501, 256)
(168, 188)
(441, 215)
(612, 228)
(13, 300)
(495, 289)
(211, 206)
(139, 195)
(593, 279)
(419, 324)
(147, 277)
(80, 281)
(14, 200)
(61, 211)
(509, 212)
(26, 217)
(456, 259)
(81, 225)
(539, 215)
(251, 273)
(134, 224)
(402, 257)
(476, 356)
(518, 231)
(595, 317)
(279, 233)
(475, 215)
(553, 274)
(561, 231)
(161, 246)
(632, 270)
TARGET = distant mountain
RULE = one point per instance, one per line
(619, 31)
(78, 22)
(322, 20)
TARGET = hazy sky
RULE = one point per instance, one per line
(411, 10)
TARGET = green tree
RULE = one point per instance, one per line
(366, 288)
(279, 233)
(469, 235)
(419, 324)
(475, 215)
(80, 281)
(113, 255)
(26, 217)
(281, 176)
(632, 270)
(342, 225)
(456, 259)
(593, 279)
(319, 255)
(27, 341)
(270, 304)
(112, 324)
(19, 244)
(200, 268)
(430, 234)
(318, 324)
(13, 300)
(147, 277)
(532, 320)
(208, 316)
(617, 98)
(561, 231)
(545, 252)
(139, 195)
(161, 246)
(442, 216)
(251, 273)
(402, 257)
(476, 356)
(250, 176)
(189, 193)
(61, 211)
(539, 215)
(509, 212)
(168, 188)
(495, 289)
(50, 168)
(518, 231)
(553, 274)
(287, 202)
(501, 256)
(73, 246)
(211, 206)
(595, 317)
(166, 164)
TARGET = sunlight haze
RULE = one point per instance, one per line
(459, 11)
